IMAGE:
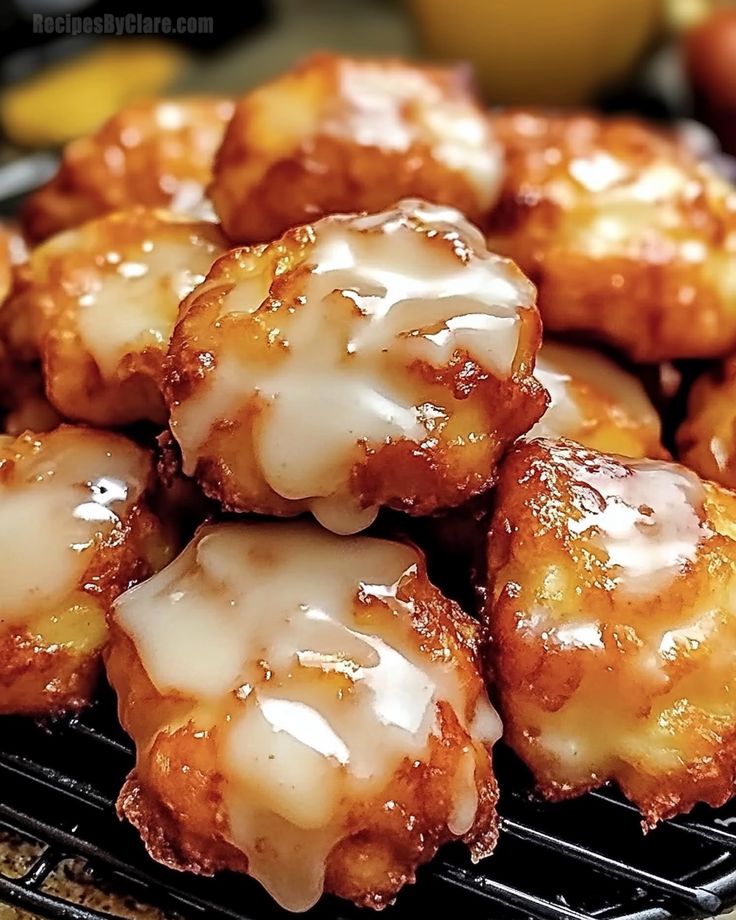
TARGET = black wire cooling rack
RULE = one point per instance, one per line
(580, 859)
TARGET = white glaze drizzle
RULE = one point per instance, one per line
(386, 293)
(646, 516)
(303, 643)
(133, 300)
(56, 506)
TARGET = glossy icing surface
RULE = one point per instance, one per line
(61, 495)
(647, 518)
(382, 303)
(629, 237)
(612, 618)
(297, 649)
(380, 130)
(392, 107)
(127, 275)
(154, 152)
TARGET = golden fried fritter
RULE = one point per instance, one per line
(706, 440)
(359, 362)
(343, 134)
(104, 298)
(306, 708)
(612, 619)
(629, 239)
(595, 402)
(74, 533)
(156, 153)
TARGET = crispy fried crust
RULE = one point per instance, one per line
(386, 842)
(174, 796)
(486, 411)
(338, 134)
(628, 238)
(52, 664)
(598, 683)
(38, 680)
(156, 153)
(706, 440)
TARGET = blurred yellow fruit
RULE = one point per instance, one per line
(75, 97)
(549, 52)
(684, 14)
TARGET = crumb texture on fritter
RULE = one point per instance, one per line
(102, 300)
(706, 440)
(157, 153)
(307, 708)
(612, 620)
(595, 402)
(358, 362)
(338, 134)
(629, 238)
(76, 532)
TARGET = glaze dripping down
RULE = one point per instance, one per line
(61, 494)
(298, 650)
(358, 336)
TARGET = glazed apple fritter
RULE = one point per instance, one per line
(595, 402)
(75, 533)
(156, 153)
(306, 708)
(612, 625)
(104, 298)
(338, 134)
(360, 362)
(706, 440)
(629, 238)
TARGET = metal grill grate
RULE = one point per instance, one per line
(580, 859)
